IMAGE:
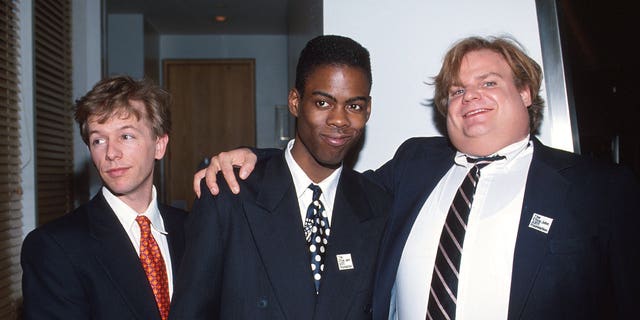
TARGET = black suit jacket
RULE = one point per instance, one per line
(83, 266)
(586, 267)
(247, 258)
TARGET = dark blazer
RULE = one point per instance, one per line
(83, 266)
(586, 267)
(246, 256)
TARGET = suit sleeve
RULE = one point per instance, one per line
(265, 153)
(197, 293)
(51, 287)
(388, 175)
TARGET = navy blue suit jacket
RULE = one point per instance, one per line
(246, 256)
(586, 267)
(83, 266)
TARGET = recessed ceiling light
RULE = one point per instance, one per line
(221, 18)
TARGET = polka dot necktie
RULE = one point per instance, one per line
(443, 292)
(153, 265)
(316, 231)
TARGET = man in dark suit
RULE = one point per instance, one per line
(541, 234)
(94, 262)
(300, 241)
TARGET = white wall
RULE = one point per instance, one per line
(87, 70)
(407, 40)
(270, 54)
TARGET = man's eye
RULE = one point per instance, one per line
(322, 104)
(355, 107)
(456, 92)
(96, 142)
(127, 137)
(490, 84)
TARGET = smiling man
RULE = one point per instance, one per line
(114, 257)
(492, 224)
(300, 241)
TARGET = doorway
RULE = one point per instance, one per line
(213, 109)
(602, 64)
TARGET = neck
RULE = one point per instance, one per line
(483, 148)
(138, 201)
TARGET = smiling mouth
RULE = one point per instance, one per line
(475, 112)
(337, 141)
(116, 172)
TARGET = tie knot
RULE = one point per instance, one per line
(143, 221)
(316, 191)
(484, 161)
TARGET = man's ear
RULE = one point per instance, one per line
(161, 146)
(368, 108)
(525, 95)
(294, 102)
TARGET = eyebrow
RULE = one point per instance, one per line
(332, 98)
(488, 74)
(120, 129)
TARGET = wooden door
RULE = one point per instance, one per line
(213, 110)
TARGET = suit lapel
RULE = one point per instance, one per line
(418, 179)
(117, 255)
(277, 230)
(174, 225)
(349, 235)
(545, 193)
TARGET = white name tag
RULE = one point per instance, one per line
(344, 261)
(540, 223)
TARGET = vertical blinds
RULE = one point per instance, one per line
(10, 191)
(53, 105)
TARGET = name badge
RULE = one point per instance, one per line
(344, 261)
(540, 223)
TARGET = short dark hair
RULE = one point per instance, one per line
(331, 50)
(526, 72)
(113, 95)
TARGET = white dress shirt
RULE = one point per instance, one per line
(487, 259)
(301, 182)
(127, 218)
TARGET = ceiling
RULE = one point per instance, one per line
(197, 16)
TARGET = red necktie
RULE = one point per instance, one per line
(154, 267)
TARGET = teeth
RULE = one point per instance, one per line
(474, 112)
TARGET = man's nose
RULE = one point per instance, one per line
(113, 152)
(338, 117)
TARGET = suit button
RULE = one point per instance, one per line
(367, 308)
(262, 303)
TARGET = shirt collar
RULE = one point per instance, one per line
(510, 153)
(127, 215)
(301, 181)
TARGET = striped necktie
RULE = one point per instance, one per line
(444, 281)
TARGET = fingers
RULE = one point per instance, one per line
(197, 177)
(210, 177)
(248, 166)
(226, 162)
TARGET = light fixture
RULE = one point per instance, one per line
(221, 18)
